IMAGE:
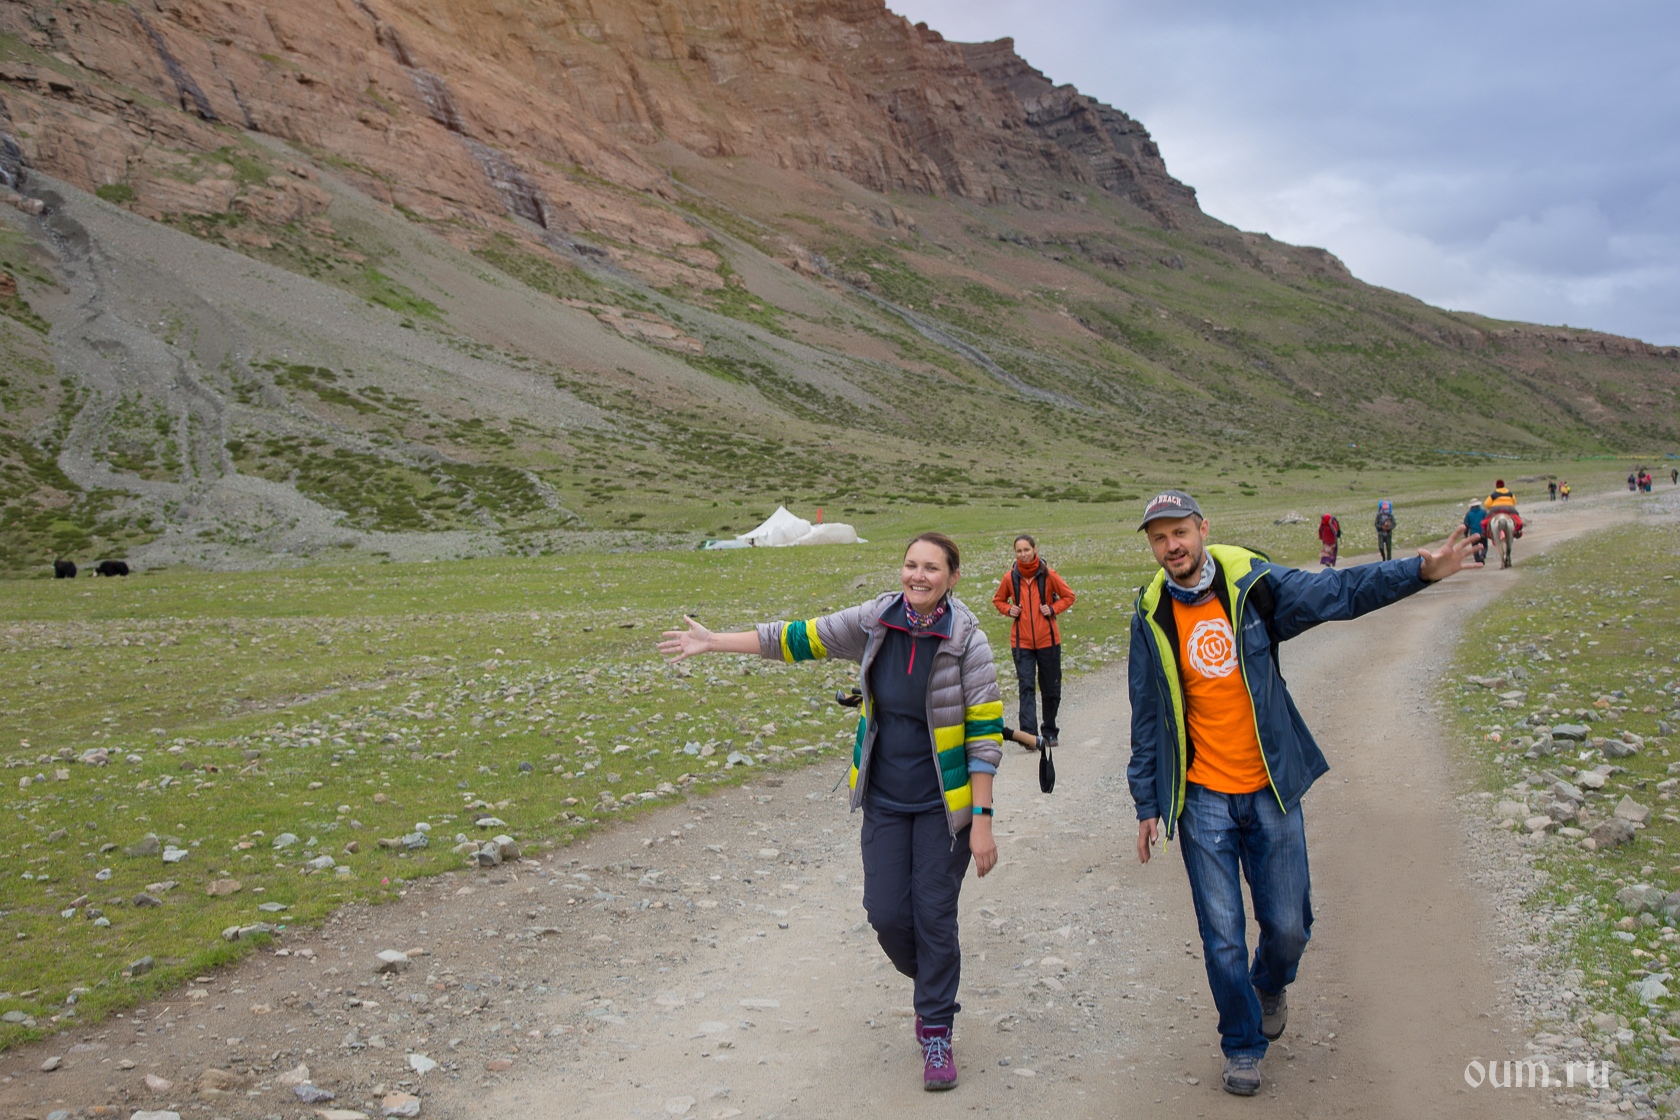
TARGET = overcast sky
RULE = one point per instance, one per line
(1519, 158)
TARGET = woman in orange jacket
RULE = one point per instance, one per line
(1033, 595)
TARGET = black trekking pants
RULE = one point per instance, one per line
(1046, 664)
(1385, 544)
(912, 875)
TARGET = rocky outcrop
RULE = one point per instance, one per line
(1104, 146)
(465, 112)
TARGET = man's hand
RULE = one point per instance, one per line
(1453, 556)
(1148, 832)
(980, 842)
(1014, 611)
(678, 644)
(1047, 610)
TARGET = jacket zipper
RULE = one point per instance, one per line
(1180, 771)
(927, 714)
(1241, 599)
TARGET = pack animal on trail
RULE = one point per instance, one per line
(1501, 531)
(64, 569)
(112, 568)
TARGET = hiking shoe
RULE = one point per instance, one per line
(1274, 1014)
(939, 1064)
(1241, 1076)
(1052, 741)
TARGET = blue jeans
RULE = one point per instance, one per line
(1222, 834)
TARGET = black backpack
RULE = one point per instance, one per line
(1043, 581)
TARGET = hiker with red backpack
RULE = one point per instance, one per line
(1033, 595)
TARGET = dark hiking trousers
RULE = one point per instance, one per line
(912, 873)
(1046, 663)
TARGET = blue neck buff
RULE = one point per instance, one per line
(1190, 596)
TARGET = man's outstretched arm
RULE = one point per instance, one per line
(1305, 599)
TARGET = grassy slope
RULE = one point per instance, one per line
(1595, 631)
(414, 692)
(1176, 355)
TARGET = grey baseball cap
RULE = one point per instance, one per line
(1169, 503)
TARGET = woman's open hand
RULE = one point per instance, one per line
(980, 842)
(678, 644)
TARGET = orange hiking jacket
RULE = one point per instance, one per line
(1032, 630)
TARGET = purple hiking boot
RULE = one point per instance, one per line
(939, 1064)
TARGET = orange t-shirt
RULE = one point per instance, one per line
(1218, 711)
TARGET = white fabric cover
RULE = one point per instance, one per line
(782, 528)
(779, 529)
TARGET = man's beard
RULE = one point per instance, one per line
(1189, 567)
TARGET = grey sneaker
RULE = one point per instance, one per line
(1274, 1014)
(1241, 1076)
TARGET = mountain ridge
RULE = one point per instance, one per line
(606, 266)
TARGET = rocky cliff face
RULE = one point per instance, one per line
(471, 275)
(461, 111)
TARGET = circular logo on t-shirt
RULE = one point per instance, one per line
(1213, 652)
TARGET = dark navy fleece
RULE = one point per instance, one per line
(902, 773)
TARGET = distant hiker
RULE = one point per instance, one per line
(1633, 481)
(1502, 500)
(929, 741)
(1551, 490)
(1475, 519)
(1563, 490)
(64, 569)
(1220, 753)
(1330, 536)
(1033, 594)
(1644, 481)
(1385, 529)
(1674, 476)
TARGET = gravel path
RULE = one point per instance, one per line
(711, 959)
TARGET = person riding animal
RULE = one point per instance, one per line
(1503, 501)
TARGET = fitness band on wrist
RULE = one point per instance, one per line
(984, 811)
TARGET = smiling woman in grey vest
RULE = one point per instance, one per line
(929, 741)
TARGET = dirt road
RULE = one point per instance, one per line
(712, 960)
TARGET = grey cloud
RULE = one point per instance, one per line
(1515, 157)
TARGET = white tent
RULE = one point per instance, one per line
(782, 528)
(779, 529)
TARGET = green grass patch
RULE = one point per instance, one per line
(348, 702)
(1591, 637)
(539, 272)
(376, 287)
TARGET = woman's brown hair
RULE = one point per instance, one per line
(946, 545)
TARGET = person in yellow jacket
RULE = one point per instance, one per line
(1502, 500)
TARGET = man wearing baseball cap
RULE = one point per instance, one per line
(1221, 756)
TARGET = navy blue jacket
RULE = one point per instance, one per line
(1161, 746)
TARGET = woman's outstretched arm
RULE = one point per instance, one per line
(678, 644)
